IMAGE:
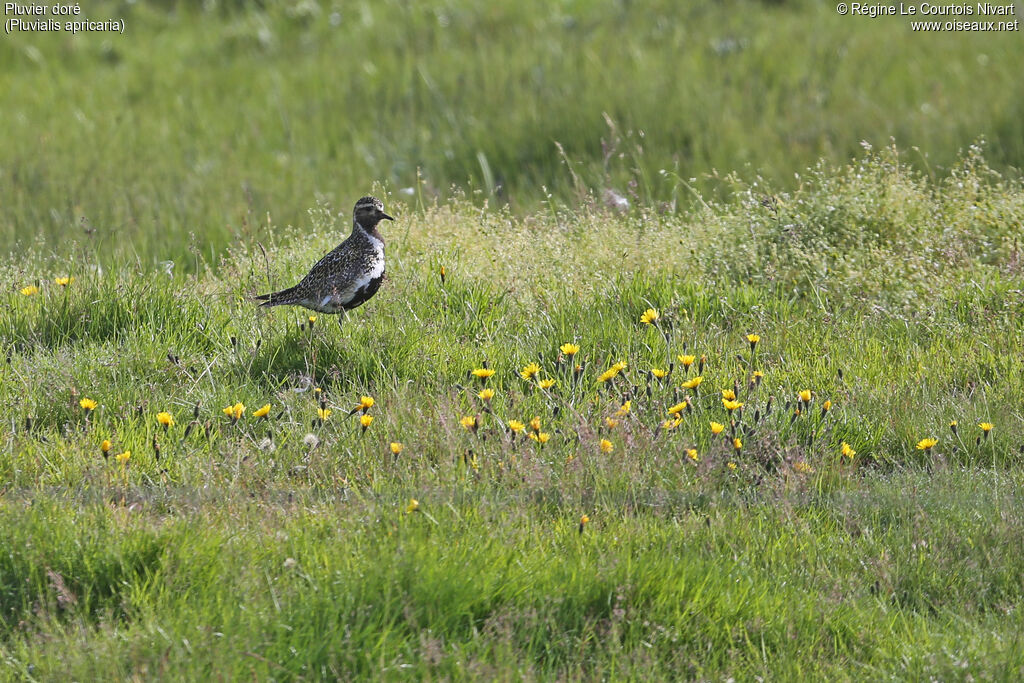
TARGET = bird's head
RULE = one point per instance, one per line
(369, 212)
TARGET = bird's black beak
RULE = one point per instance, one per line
(385, 216)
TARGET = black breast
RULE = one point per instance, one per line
(365, 292)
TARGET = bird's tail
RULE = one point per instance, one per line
(284, 297)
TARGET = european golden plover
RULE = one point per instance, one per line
(347, 276)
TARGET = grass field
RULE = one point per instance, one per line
(178, 137)
(764, 423)
(289, 546)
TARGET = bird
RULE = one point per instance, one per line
(347, 276)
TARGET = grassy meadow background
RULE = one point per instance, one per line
(193, 488)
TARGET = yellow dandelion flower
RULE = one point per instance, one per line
(805, 395)
(88, 404)
(312, 319)
(611, 422)
(678, 408)
(952, 426)
(649, 317)
(624, 408)
(412, 507)
(620, 366)
(732, 405)
(516, 426)
(482, 373)
(540, 437)
(396, 447)
(365, 421)
(693, 455)
(716, 428)
(737, 444)
(30, 290)
(324, 414)
(569, 349)
(486, 395)
(64, 281)
(166, 419)
(583, 522)
(847, 450)
(803, 468)
(659, 373)
(606, 446)
(753, 339)
(670, 423)
(607, 375)
(731, 465)
(123, 458)
(986, 427)
(758, 376)
(105, 446)
(535, 424)
(529, 371)
(547, 383)
(693, 382)
(687, 361)
(826, 406)
(926, 444)
(365, 403)
(262, 412)
(236, 411)
(469, 423)
(728, 394)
